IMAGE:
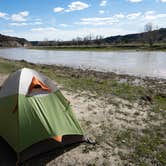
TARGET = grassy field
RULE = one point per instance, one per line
(126, 115)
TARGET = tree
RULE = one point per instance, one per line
(45, 42)
(148, 27)
(151, 34)
(98, 40)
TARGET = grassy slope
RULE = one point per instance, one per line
(145, 148)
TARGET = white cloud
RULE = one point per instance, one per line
(135, 1)
(7, 31)
(161, 15)
(105, 26)
(101, 11)
(73, 6)
(18, 24)
(24, 13)
(152, 15)
(149, 15)
(45, 30)
(133, 16)
(64, 25)
(77, 5)
(20, 17)
(38, 19)
(98, 21)
(25, 23)
(150, 12)
(37, 23)
(52, 33)
(162, 0)
(123, 18)
(4, 15)
(102, 21)
(103, 3)
(119, 16)
(58, 9)
(16, 17)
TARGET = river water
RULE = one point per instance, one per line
(139, 63)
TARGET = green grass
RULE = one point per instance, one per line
(145, 148)
(118, 47)
(150, 147)
(63, 48)
(73, 80)
(7, 67)
(160, 102)
(77, 80)
(104, 87)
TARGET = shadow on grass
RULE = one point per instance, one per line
(8, 156)
(45, 158)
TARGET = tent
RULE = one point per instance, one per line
(33, 111)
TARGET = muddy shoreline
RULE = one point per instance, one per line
(89, 72)
(95, 82)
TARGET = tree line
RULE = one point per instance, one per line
(150, 35)
(87, 40)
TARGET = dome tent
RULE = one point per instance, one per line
(32, 111)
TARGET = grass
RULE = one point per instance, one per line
(6, 66)
(77, 82)
(160, 102)
(118, 47)
(150, 146)
(146, 148)
(143, 149)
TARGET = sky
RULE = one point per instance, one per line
(68, 19)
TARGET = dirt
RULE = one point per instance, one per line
(96, 115)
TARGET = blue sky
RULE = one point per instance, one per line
(67, 19)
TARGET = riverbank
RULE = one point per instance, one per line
(125, 114)
(159, 47)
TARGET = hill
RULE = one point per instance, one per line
(8, 41)
(156, 36)
(151, 38)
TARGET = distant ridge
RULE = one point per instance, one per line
(159, 36)
(152, 37)
(8, 41)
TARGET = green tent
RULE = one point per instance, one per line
(32, 110)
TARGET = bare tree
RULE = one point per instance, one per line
(45, 42)
(98, 40)
(148, 27)
(151, 34)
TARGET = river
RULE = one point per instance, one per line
(139, 63)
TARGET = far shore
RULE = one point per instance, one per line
(121, 47)
(157, 47)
